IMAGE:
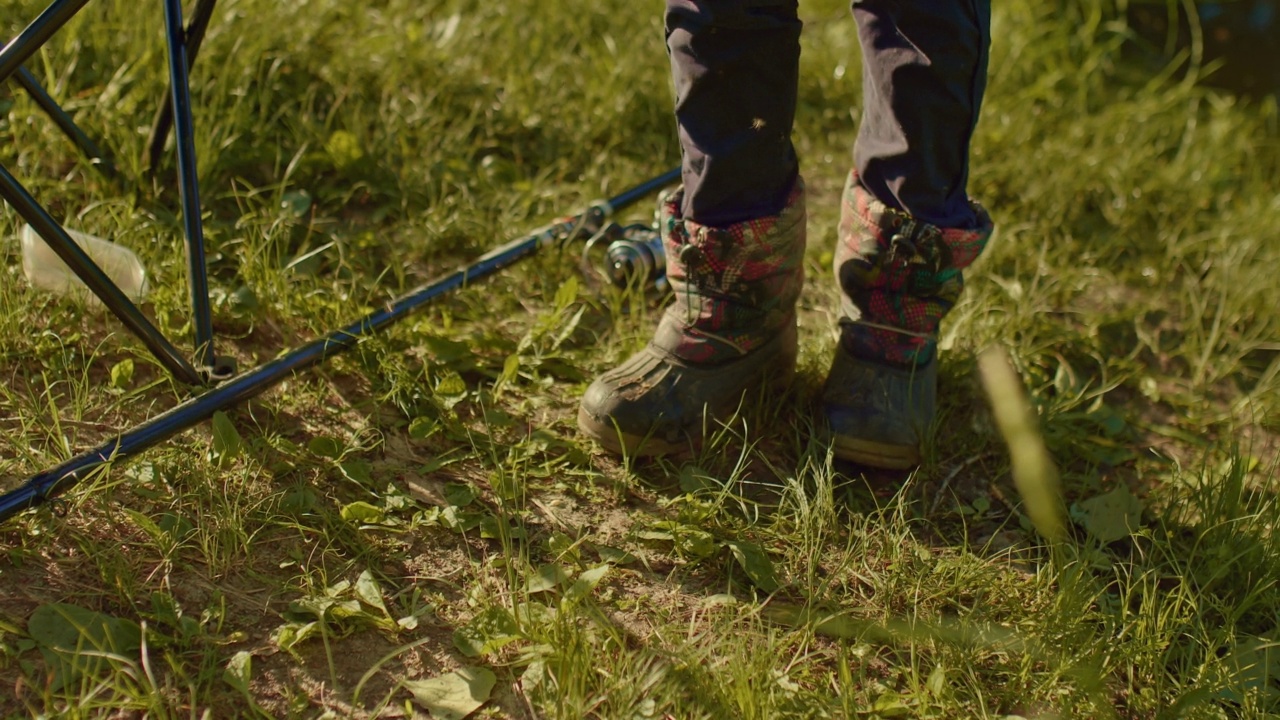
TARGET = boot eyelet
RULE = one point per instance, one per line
(689, 253)
(902, 248)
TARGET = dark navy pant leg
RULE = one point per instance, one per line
(735, 65)
(924, 73)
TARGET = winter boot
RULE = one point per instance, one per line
(898, 278)
(731, 328)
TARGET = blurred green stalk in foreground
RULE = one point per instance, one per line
(1034, 473)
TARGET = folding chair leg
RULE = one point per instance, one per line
(188, 184)
(163, 122)
(28, 82)
(96, 280)
(36, 34)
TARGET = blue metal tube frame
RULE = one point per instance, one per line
(163, 122)
(95, 279)
(36, 34)
(51, 483)
(28, 82)
(12, 56)
(189, 188)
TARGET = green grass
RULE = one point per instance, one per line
(425, 503)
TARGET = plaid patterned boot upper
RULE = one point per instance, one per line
(899, 277)
(735, 287)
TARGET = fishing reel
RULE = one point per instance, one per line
(627, 256)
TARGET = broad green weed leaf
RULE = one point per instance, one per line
(147, 525)
(689, 540)
(288, 636)
(76, 641)
(534, 614)
(226, 440)
(455, 695)
(301, 499)
(562, 545)
(296, 202)
(325, 447)
(1254, 664)
(613, 555)
(370, 593)
(359, 471)
(534, 675)
(755, 562)
(889, 705)
(1238, 464)
(422, 427)
(175, 526)
(460, 520)
(569, 327)
(451, 389)
(937, 681)
(585, 583)
(349, 606)
(313, 606)
(487, 631)
(239, 671)
(567, 293)
(561, 369)
(694, 479)
(1110, 516)
(696, 543)
(492, 528)
(165, 609)
(547, 577)
(1112, 423)
(459, 494)
(510, 370)
(456, 354)
(348, 609)
(361, 512)
(122, 374)
(243, 301)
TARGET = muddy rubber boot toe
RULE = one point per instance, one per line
(879, 415)
(657, 404)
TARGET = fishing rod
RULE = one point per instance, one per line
(47, 485)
